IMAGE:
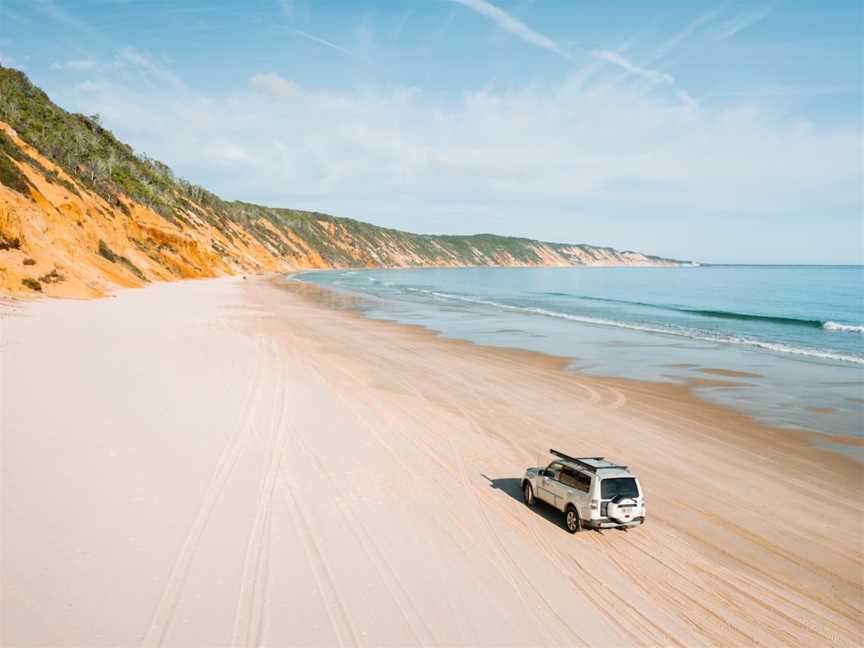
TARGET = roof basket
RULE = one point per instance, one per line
(583, 461)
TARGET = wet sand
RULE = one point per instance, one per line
(235, 462)
(729, 373)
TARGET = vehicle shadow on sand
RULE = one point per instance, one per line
(512, 486)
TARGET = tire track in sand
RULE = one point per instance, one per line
(374, 433)
(340, 621)
(345, 633)
(422, 633)
(598, 593)
(231, 453)
(251, 605)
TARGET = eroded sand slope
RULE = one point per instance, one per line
(227, 462)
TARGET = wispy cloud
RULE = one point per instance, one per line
(623, 62)
(559, 144)
(685, 33)
(61, 15)
(396, 32)
(513, 25)
(742, 21)
(324, 42)
(644, 73)
(79, 65)
(287, 7)
(131, 57)
(275, 85)
(789, 91)
(127, 63)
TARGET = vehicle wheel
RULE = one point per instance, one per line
(528, 494)
(571, 520)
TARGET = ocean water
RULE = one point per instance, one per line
(782, 343)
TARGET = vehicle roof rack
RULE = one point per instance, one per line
(583, 461)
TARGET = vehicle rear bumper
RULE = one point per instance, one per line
(606, 523)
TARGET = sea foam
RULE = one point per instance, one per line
(845, 328)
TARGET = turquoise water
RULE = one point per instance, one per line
(795, 333)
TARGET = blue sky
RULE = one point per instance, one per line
(718, 131)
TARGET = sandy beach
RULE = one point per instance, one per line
(238, 462)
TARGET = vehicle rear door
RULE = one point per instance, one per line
(575, 486)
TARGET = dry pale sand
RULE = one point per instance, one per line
(229, 462)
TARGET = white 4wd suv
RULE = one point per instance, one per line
(590, 491)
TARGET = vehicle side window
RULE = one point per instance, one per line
(576, 479)
(554, 470)
(569, 478)
(583, 482)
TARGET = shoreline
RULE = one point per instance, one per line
(840, 358)
(227, 461)
(678, 388)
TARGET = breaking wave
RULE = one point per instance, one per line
(729, 315)
(693, 334)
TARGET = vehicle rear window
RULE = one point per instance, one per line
(626, 486)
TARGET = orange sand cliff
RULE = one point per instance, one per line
(55, 230)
